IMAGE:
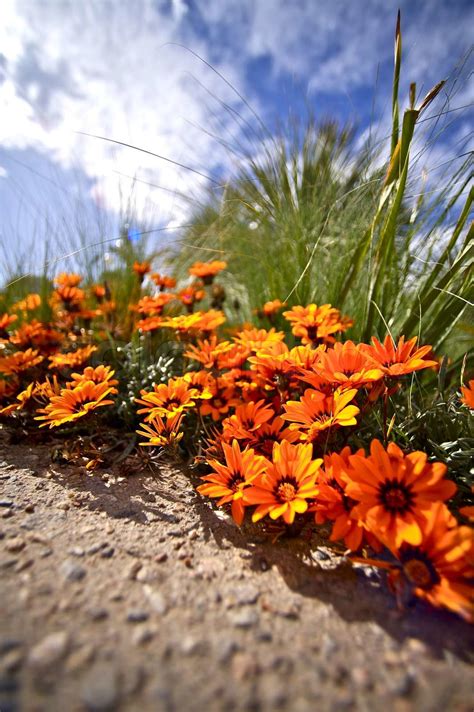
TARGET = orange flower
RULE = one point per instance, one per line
(162, 433)
(71, 298)
(333, 503)
(162, 281)
(222, 399)
(247, 419)
(32, 395)
(99, 374)
(440, 568)
(256, 339)
(209, 321)
(72, 359)
(468, 395)
(149, 324)
(207, 270)
(153, 306)
(316, 412)
(38, 335)
(19, 361)
(346, 365)
(167, 400)
(141, 269)
(5, 321)
(270, 308)
(207, 352)
(68, 280)
(99, 292)
(396, 492)
(74, 403)
(190, 295)
(290, 480)
(313, 324)
(228, 482)
(398, 360)
(29, 303)
(263, 439)
(201, 382)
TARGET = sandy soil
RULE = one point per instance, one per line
(132, 593)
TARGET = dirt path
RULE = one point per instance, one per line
(133, 594)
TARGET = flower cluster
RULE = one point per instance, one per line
(277, 413)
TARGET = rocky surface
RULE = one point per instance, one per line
(132, 593)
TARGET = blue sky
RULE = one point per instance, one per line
(114, 69)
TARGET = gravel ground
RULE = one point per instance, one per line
(131, 593)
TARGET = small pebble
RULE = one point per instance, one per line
(72, 571)
(137, 616)
(50, 650)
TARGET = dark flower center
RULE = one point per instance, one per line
(235, 481)
(418, 569)
(395, 496)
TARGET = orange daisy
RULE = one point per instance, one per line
(247, 419)
(74, 403)
(73, 358)
(284, 489)
(66, 279)
(398, 359)
(162, 281)
(38, 335)
(162, 432)
(167, 399)
(316, 412)
(208, 351)
(141, 269)
(190, 295)
(153, 306)
(20, 361)
(207, 270)
(229, 481)
(99, 374)
(257, 339)
(269, 433)
(396, 492)
(313, 324)
(439, 569)
(29, 303)
(346, 365)
(5, 321)
(335, 505)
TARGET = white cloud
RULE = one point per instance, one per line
(108, 70)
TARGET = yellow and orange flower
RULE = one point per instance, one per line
(29, 303)
(153, 306)
(468, 395)
(74, 403)
(347, 366)
(396, 492)
(72, 359)
(207, 270)
(315, 325)
(440, 569)
(223, 398)
(167, 399)
(5, 321)
(162, 281)
(287, 485)
(269, 433)
(229, 481)
(189, 296)
(247, 419)
(316, 412)
(99, 374)
(162, 432)
(37, 335)
(397, 360)
(20, 361)
(257, 339)
(141, 269)
(71, 298)
(208, 351)
(333, 503)
(66, 279)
